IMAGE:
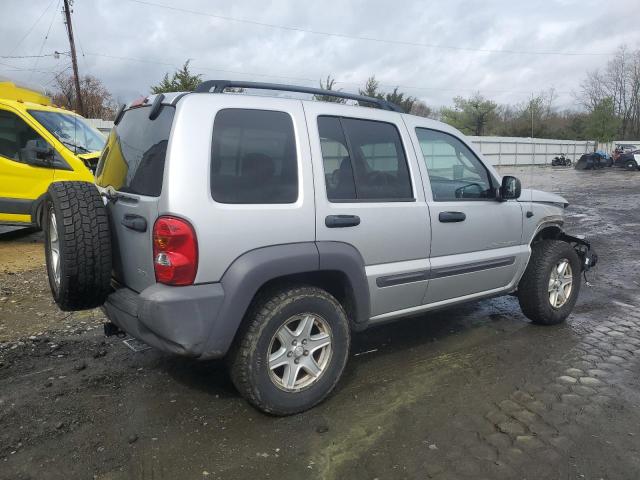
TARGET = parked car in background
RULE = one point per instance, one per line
(267, 229)
(594, 161)
(622, 148)
(628, 160)
(39, 144)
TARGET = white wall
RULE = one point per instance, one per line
(529, 151)
(104, 126)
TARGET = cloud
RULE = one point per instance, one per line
(162, 39)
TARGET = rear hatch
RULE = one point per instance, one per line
(131, 168)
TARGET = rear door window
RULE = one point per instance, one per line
(253, 157)
(364, 160)
(133, 159)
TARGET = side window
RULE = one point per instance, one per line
(253, 157)
(21, 143)
(363, 160)
(455, 172)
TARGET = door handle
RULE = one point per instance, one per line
(450, 217)
(134, 222)
(341, 221)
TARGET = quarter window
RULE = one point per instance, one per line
(455, 173)
(253, 157)
(363, 160)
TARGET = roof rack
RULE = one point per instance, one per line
(219, 86)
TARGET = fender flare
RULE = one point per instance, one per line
(252, 270)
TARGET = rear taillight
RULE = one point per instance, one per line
(175, 251)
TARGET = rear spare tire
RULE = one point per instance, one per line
(77, 245)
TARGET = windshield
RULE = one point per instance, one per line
(71, 130)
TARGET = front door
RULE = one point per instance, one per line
(369, 195)
(476, 239)
(25, 169)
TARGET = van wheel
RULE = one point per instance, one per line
(291, 351)
(77, 245)
(550, 285)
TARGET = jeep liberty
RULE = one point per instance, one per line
(266, 230)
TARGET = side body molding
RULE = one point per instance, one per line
(249, 272)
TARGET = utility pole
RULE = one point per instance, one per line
(530, 108)
(74, 60)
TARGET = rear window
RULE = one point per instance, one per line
(133, 159)
(253, 157)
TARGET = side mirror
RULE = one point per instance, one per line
(44, 153)
(510, 188)
(39, 154)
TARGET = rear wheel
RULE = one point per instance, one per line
(631, 165)
(77, 245)
(550, 285)
(292, 350)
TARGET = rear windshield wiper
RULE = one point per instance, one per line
(76, 147)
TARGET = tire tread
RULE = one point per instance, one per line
(85, 252)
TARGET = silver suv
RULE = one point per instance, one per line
(266, 230)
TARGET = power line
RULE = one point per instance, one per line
(312, 80)
(28, 56)
(366, 38)
(32, 27)
(44, 40)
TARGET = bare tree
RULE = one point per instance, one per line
(619, 82)
(97, 100)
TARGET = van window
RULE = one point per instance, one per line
(253, 157)
(455, 173)
(133, 159)
(71, 130)
(363, 160)
(21, 143)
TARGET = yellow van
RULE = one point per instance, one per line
(39, 144)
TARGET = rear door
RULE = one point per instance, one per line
(476, 239)
(133, 165)
(369, 195)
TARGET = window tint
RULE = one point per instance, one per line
(21, 143)
(363, 160)
(455, 172)
(253, 157)
(72, 131)
(338, 173)
(133, 160)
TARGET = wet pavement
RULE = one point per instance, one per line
(474, 392)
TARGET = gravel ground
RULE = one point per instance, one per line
(473, 392)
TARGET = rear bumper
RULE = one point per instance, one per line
(176, 320)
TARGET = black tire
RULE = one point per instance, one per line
(84, 245)
(248, 359)
(630, 165)
(533, 290)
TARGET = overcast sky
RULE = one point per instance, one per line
(428, 47)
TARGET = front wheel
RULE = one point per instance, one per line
(631, 165)
(291, 351)
(550, 285)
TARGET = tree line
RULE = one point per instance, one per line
(607, 103)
